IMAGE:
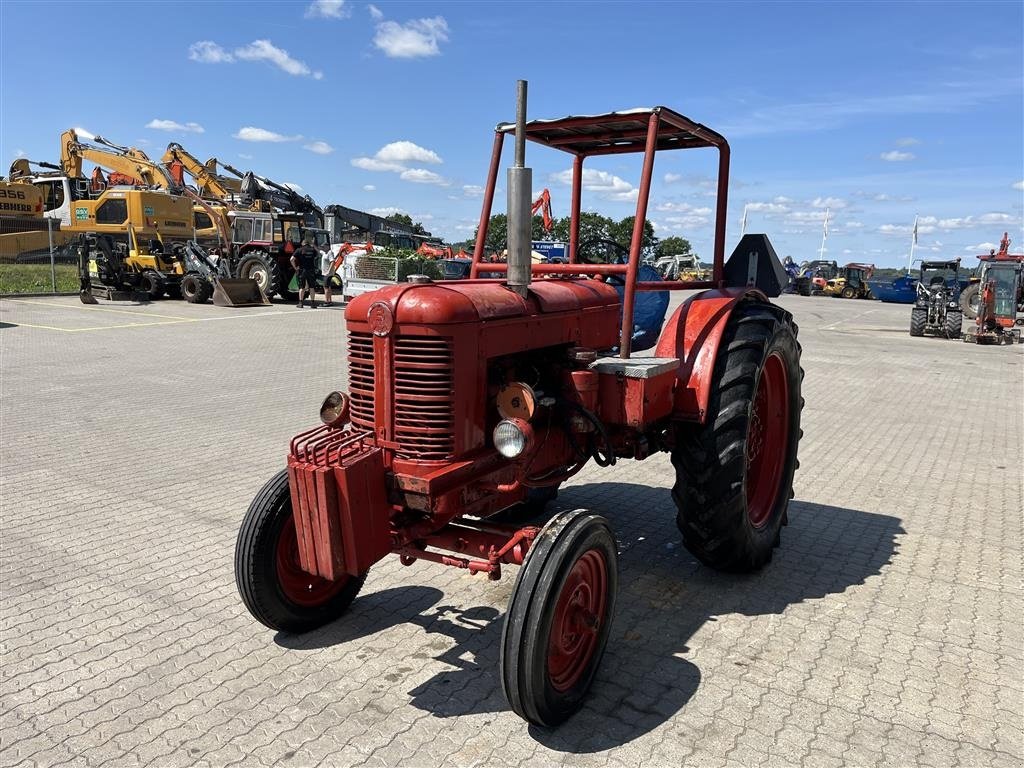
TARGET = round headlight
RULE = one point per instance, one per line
(334, 409)
(511, 437)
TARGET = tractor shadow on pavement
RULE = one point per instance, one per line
(665, 597)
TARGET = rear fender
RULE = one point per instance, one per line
(693, 334)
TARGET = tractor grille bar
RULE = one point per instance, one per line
(360, 379)
(424, 398)
(422, 379)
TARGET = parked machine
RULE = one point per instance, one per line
(851, 282)
(681, 266)
(937, 308)
(469, 397)
(998, 304)
(970, 295)
(814, 275)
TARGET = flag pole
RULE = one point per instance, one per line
(913, 242)
(824, 235)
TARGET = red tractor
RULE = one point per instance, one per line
(474, 397)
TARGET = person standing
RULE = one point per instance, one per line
(304, 262)
(327, 271)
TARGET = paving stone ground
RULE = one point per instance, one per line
(887, 630)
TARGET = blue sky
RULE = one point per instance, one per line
(879, 111)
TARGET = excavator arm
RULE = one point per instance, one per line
(543, 204)
(130, 162)
(178, 161)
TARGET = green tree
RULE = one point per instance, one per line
(622, 232)
(671, 246)
(406, 220)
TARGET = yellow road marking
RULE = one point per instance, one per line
(99, 309)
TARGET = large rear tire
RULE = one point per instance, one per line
(918, 321)
(969, 297)
(734, 474)
(277, 592)
(559, 618)
(258, 265)
(153, 284)
(954, 324)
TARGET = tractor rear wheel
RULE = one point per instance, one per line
(559, 617)
(918, 321)
(195, 289)
(258, 265)
(954, 324)
(969, 300)
(849, 292)
(734, 474)
(277, 592)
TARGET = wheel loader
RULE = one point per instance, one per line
(467, 398)
(851, 282)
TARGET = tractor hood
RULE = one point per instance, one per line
(472, 301)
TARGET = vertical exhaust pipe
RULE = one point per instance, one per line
(520, 188)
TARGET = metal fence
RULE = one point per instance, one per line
(36, 257)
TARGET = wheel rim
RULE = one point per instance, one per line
(258, 273)
(577, 621)
(298, 586)
(767, 440)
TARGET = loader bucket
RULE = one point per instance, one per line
(238, 292)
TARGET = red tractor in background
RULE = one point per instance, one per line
(474, 397)
(1000, 297)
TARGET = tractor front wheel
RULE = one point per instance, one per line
(849, 292)
(954, 323)
(734, 474)
(153, 284)
(275, 589)
(559, 617)
(918, 321)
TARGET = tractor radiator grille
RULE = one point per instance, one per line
(424, 397)
(360, 379)
(422, 388)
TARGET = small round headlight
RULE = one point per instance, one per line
(334, 409)
(512, 437)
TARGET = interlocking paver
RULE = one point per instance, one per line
(885, 632)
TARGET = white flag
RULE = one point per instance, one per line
(826, 222)
(743, 222)
(915, 230)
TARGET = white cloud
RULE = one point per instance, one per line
(250, 133)
(767, 207)
(319, 147)
(208, 52)
(682, 208)
(414, 39)
(1019, 185)
(472, 190)
(264, 50)
(981, 247)
(896, 156)
(905, 229)
(672, 178)
(907, 141)
(406, 152)
(968, 222)
(171, 125)
(386, 211)
(395, 157)
(828, 202)
(328, 9)
(19, 153)
(373, 164)
(244, 156)
(369, 188)
(782, 200)
(423, 176)
(604, 184)
(375, 13)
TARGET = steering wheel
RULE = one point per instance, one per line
(613, 253)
